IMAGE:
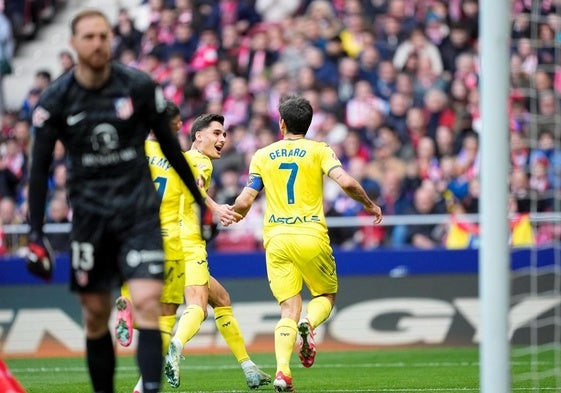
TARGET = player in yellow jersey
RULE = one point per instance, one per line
(201, 289)
(297, 246)
(172, 193)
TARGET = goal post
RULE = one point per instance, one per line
(494, 256)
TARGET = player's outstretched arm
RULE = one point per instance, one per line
(244, 201)
(353, 189)
(225, 213)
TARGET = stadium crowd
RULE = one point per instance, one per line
(395, 89)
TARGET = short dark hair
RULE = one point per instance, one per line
(297, 114)
(203, 121)
(45, 74)
(86, 14)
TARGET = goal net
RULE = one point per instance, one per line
(535, 184)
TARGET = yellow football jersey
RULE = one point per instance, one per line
(189, 223)
(291, 172)
(170, 187)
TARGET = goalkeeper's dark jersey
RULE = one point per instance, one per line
(103, 131)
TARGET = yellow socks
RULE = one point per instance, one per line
(318, 310)
(285, 337)
(230, 330)
(189, 323)
(167, 322)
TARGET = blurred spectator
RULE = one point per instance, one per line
(29, 104)
(436, 26)
(58, 212)
(437, 110)
(426, 236)
(7, 45)
(275, 11)
(175, 85)
(519, 186)
(519, 78)
(386, 81)
(368, 64)
(546, 44)
(397, 117)
(184, 42)
(452, 46)
(324, 69)
(354, 28)
(11, 170)
(125, 35)
(322, 12)
(8, 216)
(444, 139)
(470, 17)
(550, 152)
(331, 130)
(390, 36)
(416, 126)
(520, 26)
(166, 25)
(427, 162)
(8, 212)
(419, 44)
(41, 80)
(154, 64)
(347, 72)
(150, 44)
(228, 186)
(256, 58)
(403, 14)
(519, 151)
(237, 103)
(388, 154)
(362, 104)
(394, 201)
(206, 53)
(527, 55)
(66, 61)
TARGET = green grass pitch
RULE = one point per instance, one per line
(404, 370)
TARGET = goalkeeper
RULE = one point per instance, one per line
(102, 112)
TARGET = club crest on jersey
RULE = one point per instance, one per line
(82, 278)
(40, 116)
(124, 108)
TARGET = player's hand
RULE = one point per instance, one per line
(226, 215)
(376, 211)
(40, 259)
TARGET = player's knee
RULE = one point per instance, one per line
(147, 310)
(221, 299)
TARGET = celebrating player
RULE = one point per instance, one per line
(295, 235)
(208, 137)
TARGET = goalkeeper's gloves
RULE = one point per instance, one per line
(40, 259)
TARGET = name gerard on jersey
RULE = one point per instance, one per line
(296, 152)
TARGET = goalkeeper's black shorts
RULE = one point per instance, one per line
(108, 250)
